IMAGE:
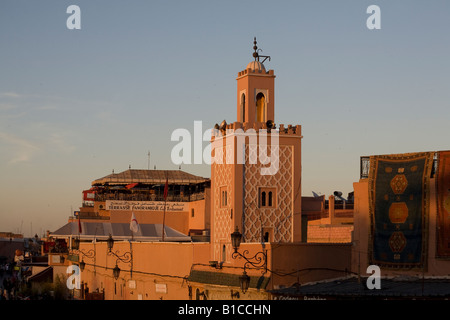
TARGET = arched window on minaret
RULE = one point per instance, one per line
(243, 106)
(263, 199)
(260, 107)
(224, 253)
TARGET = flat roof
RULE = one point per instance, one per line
(393, 287)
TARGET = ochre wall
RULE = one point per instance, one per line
(165, 264)
(308, 262)
(201, 219)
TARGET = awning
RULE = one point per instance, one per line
(132, 176)
(226, 279)
(45, 275)
(119, 231)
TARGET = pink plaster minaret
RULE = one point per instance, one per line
(264, 207)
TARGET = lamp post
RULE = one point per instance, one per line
(127, 257)
(236, 238)
(110, 242)
(116, 271)
(76, 249)
(258, 261)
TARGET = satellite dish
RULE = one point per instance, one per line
(315, 195)
(337, 193)
(223, 125)
(270, 124)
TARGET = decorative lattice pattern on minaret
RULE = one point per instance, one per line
(279, 218)
(222, 223)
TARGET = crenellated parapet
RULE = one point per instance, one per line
(255, 69)
(225, 129)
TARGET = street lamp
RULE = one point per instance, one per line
(127, 257)
(82, 265)
(258, 261)
(76, 249)
(110, 242)
(244, 281)
(236, 238)
(116, 271)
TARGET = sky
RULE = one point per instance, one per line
(76, 104)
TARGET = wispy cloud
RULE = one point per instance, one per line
(106, 117)
(6, 106)
(13, 116)
(21, 150)
(57, 141)
(9, 95)
(49, 107)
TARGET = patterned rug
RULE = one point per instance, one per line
(443, 206)
(399, 207)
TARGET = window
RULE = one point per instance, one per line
(267, 197)
(243, 106)
(223, 197)
(267, 234)
(224, 253)
(192, 212)
(260, 107)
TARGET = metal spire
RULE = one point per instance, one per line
(255, 47)
(256, 55)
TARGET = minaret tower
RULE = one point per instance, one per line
(265, 205)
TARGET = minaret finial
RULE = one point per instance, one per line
(255, 54)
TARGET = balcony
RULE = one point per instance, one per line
(148, 197)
